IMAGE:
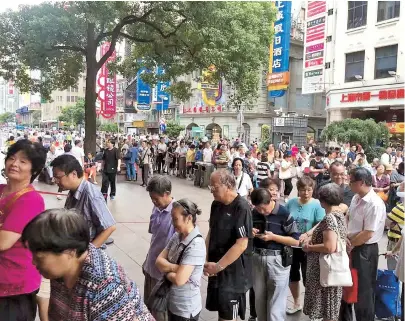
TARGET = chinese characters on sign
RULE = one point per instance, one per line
(202, 109)
(368, 95)
(314, 44)
(280, 51)
(107, 86)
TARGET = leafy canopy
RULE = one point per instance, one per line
(73, 115)
(7, 117)
(179, 36)
(367, 132)
(173, 129)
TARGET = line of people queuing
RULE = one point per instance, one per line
(260, 246)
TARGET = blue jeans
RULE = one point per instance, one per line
(131, 171)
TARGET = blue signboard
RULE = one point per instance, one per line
(280, 48)
(162, 97)
(143, 92)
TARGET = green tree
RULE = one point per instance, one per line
(265, 137)
(74, 115)
(109, 127)
(61, 39)
(36, 117)
(7, 117)
(173, 130)
(367, 133)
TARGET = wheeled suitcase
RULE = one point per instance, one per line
(387, 295)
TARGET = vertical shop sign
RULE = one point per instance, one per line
(313, 76)
(278, 76)
(107, 86)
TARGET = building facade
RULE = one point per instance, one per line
(224, 121)
(366, 56)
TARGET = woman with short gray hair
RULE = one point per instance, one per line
(324, 302)
(183, 261)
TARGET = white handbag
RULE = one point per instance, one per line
(334, 268)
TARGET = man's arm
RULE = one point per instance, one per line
(234, 252)
(361, 238)
(103, 236)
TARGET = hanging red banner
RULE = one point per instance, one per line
(107, 84)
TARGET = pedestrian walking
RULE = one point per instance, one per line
(111, 166)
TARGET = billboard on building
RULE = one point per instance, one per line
(143, 93)
(278, 77)
(313, 76)
(160, 97)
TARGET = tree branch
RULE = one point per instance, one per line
(160, 31)
(71, 48)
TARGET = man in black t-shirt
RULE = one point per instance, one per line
(229, 248)
(111, 166)
(317, 168)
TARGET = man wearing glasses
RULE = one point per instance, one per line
(85, 197)
(337, 175)
(229, 248)
(366, 218)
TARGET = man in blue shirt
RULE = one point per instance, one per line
(352, 154)
(134, 159)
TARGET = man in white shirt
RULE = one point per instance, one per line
(366, 218)
(386, 157)
(207, 153)
(78, 152)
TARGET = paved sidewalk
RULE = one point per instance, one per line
(132, 208)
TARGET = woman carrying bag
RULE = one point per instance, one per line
(183, 261)
(327, 261)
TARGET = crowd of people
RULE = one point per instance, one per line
(261, 240)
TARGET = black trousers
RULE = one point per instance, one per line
(288, 187)
(108, 178)
(18, 307)
(160, 162)
(365, 260)
(252, 307)
(145, 174)
(173, 317)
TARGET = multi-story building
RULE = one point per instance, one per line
(50, 111)
(366, 56)
(225, 121)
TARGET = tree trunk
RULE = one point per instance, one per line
(91, 95)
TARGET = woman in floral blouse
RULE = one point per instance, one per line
(86, 284)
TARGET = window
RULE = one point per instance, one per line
(73, 99)
(68, 99)
(356, 14)
(59, 109)
(387, 10)
(385, 61)
(354, 66)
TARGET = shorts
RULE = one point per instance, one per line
(228, 304)
(299, 262)
(45, 289)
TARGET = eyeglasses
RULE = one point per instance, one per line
(57, 179)
(212, 188)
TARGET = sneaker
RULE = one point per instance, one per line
(294, 309)
(112, 197)
(252, 318)
(58, 197)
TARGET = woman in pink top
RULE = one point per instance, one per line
(19, 204)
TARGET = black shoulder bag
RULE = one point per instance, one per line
(158, 298)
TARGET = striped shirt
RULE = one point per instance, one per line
(262, 169)
(102, 292)
(396, 216)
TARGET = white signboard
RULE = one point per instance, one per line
(313, 76)
(279, 122)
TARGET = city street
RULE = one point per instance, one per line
(132, 208)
